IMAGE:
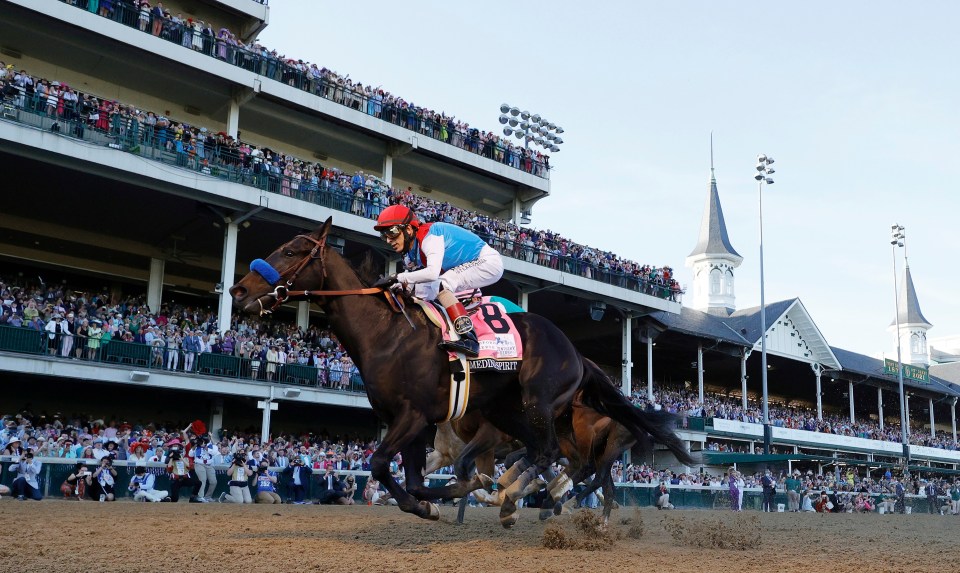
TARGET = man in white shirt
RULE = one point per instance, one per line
(99, 452)
(142, 487)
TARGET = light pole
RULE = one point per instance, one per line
(897, 239)
(764, 171)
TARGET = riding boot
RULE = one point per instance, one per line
(468, 343)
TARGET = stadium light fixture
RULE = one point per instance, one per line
(530, 127)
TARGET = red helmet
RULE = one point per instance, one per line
(395, 215)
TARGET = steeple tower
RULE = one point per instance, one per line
(913, 325)
(714, 258)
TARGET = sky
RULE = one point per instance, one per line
(856, 101)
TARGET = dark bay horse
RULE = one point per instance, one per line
(407, 378)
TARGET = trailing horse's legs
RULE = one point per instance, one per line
(484, 440)
(405, 431)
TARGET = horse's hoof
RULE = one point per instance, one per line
(558, 509)
(508, 521)
(431, 509)
(486, 482)
(545, 514)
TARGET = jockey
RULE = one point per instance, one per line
(448, 259)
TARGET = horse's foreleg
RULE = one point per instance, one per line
(403, 431)
(483, 441)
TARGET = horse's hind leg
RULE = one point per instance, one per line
(404, 432)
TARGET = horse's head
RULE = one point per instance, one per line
(297, 263)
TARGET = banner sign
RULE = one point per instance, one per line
(910, 372)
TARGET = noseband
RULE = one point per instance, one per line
(282, 293)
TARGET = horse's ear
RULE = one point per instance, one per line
(320, 232)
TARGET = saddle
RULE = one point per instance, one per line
(501, 348)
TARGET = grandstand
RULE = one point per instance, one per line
(203, 156)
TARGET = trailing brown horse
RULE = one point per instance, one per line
(407, 378)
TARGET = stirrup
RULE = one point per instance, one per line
(467, 345)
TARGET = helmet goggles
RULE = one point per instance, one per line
(392, 232)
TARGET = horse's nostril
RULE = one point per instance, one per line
(238, 291)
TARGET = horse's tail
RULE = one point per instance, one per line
(600, 394)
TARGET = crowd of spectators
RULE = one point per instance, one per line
(363, 194)
(686, 403)
(223, 44)
(191, 455)
(82, 324)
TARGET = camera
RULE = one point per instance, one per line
(239, 459)
(175, 455)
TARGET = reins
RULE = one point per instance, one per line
(282, 293)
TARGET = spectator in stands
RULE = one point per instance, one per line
(56, 331)
(142, 486)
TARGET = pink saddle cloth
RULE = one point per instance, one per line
(496, 332)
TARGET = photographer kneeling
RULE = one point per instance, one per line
(266, 485)
(239, 474)
(100, 483)
(141, 485)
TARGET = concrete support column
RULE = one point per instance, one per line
(216, 416)
(932, 431)
(700, 372)
(626, 373)
(818, 373)
(155, 284)
(649, 367)
(233, 118)
(229, 267)
(523, 299)
(850, 392)
(267, 406)
(303, 314)
(388, 169)
(880, 405)
(906, 413)
(953, 418)
(744, 354)
(390, 266)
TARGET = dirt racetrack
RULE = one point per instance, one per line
(55, 536)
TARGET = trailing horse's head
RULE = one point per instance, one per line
(297, 263)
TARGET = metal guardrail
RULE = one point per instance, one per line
(54, 472)
(125, 133)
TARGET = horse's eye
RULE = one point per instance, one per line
(288, 253)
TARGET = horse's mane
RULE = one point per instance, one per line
(364, 267)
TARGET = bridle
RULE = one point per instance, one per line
(282, 292)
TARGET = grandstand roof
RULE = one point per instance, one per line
(873, 367)
(743, 328)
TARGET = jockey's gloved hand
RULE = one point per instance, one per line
(385, 282)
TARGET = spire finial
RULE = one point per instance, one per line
(711, 155)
